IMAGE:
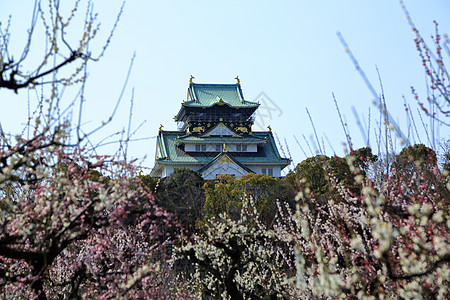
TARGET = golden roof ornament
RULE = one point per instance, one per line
(160, 127)
(190, 79)
(270, 129)
(224, 148)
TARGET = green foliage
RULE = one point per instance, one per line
(265, 191)
(419, 160)
(182, 177)
(222, 196)
(311, 174)
(150, 182)
(260, 188)
(226, 193)
(364, 158)
(340, 169)
(181, 194)
(415, 157)
(314, 173)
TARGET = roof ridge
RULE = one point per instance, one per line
(231, 84)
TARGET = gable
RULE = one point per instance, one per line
(220, 130)
(224, 166)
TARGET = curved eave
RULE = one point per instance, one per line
(281, 162)
(177, 117)
(157, 169)
(184, 163)
(245, 104)
(193, 104)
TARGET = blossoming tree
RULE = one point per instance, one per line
(73, 224)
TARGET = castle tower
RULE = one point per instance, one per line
(215, 136)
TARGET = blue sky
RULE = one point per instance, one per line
(287, 50)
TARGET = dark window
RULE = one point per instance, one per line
(238, 148)
(197, 148)
(244, 148)
(218, 148)
(203, 148)
(264, 171)
(270, 172)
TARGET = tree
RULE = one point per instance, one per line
(181, 193)
(310, 174)
(416, 157)
(265, 191)
(236, 259)
(318, 174)
(59, 210)
(222, 197)
(383, 242)
(225, 195)
(60, 54)
(73, 224)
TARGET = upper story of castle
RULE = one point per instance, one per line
(207, 105)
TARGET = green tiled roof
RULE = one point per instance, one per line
(171, 152)
(207, 95)
(167, 142)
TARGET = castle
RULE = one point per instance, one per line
(215, 136)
